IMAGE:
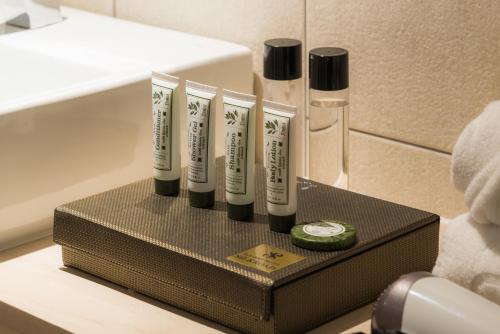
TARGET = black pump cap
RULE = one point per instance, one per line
(282, 59)
(167, 188)
(241, 212)
(282, 224)
(328, 69)
(202, 200)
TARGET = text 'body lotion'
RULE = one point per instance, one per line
(239, 132)
(279, 160)
(201, 108)
(166, 134)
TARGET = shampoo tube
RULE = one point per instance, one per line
(279, 159)
(239, 128)
(201, 106)
(166, 134)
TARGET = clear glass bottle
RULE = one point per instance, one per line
(283, 83)
(328, 116)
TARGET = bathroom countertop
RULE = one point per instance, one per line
(39, 295)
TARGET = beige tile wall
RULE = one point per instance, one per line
(245, 22)
(105, 7)
(419, 72)
(403, 174)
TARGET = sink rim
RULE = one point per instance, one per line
(133, 67)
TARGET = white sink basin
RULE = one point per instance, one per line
(75, 109)
(30, 78)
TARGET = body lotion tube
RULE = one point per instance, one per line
(166, 134)
(279, 159)
(201, 106)
(239, 128)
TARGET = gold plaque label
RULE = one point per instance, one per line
(266, 258)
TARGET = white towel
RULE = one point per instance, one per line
(476, 165)
(470, 256)
(470, 245)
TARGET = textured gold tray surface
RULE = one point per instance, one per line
(133, 227)
(208, 235)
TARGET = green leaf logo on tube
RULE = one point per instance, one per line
(279, 160)
(201, 106)
(166, 134)
(239, 129)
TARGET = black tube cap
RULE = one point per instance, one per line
(240, 212)
(282, 224)
(282, 59)
(328, 69)
(202, 200)
(167, 188)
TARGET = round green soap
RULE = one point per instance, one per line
(326, 235)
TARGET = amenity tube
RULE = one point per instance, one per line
(166, 134)
(201, 108)
(239, 128)
(279, 159)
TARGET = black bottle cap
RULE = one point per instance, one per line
(328, 69)
(202, 200)
(240, 212)
(282, 224)
(282, 59)
(167, 188)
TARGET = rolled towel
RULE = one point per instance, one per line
(469, 255)
(476, 165)
(470, 245)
